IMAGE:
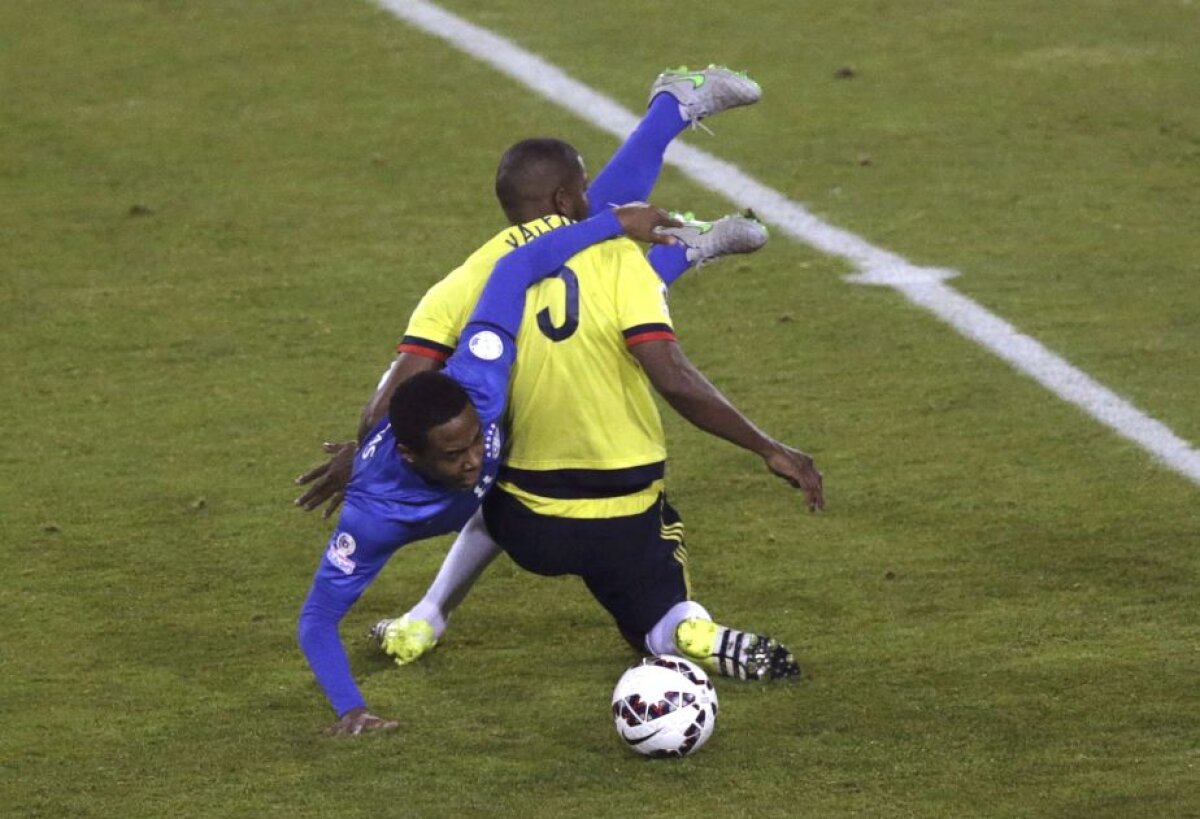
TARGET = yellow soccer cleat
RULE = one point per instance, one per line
(404, 639)
(732, 653)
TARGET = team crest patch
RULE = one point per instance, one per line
(486, 345)
(341, 546)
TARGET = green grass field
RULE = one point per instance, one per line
(215, 218)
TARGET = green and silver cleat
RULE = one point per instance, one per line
(707, 241)
(707, 91)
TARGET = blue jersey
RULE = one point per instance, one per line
(388, 504)
(386, 487)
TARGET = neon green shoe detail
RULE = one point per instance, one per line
(689, 219)
(732, 653)
(697, 641)
(403, 639)
(708, 241)
(707, 91)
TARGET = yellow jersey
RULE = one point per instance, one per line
(585, 438)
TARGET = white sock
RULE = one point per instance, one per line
(661, 638)
(430, 613)
(472, 552)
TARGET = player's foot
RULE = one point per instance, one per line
(707, 241)
(404, 639)
(706, 91)
(732, 653)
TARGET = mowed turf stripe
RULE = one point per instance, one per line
(922, 286)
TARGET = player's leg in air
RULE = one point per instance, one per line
(678, 98)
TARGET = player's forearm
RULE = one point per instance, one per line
(699, 402)
(695, 398)
(373, 413)
(322, 647)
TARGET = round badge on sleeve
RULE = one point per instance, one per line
(486, 345)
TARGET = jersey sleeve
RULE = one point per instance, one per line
(502, 303)
(482, 365)
(483, 360)
(641, 299)
(435, 325)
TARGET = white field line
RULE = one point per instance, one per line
(923, 286)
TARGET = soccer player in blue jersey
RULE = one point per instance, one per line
(424, 469)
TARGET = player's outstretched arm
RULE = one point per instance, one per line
(694, 397)
(502, 303)
(330, 597)
(483, 360)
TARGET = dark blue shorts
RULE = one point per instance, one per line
(635, 566)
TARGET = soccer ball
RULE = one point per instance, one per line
(664, 707)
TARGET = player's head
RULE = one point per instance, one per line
(437, 429)
(540, 177)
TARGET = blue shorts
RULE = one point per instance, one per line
(635, 566)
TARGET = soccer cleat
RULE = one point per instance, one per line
(403, 639)
(707, 241)
(732, 653)
(706, 91)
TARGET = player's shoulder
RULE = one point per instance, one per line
(478, 264)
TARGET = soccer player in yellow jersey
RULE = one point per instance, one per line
(581, 490)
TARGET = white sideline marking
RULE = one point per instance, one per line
(923, 286)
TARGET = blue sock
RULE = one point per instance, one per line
(668, 261)
(630, 175)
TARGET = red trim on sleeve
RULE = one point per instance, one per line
(424, 352)
(654, 335)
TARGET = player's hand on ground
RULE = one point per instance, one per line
(329, 479)
(359, 721)
(798, 469)
(640, 221)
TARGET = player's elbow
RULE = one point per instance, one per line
(671, 389)
(669, 370)
(673, 383)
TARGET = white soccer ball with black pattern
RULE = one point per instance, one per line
(664, 707)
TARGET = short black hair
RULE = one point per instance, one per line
(422, 402)
(531, 171)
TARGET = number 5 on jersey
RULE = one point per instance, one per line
(570, 311)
